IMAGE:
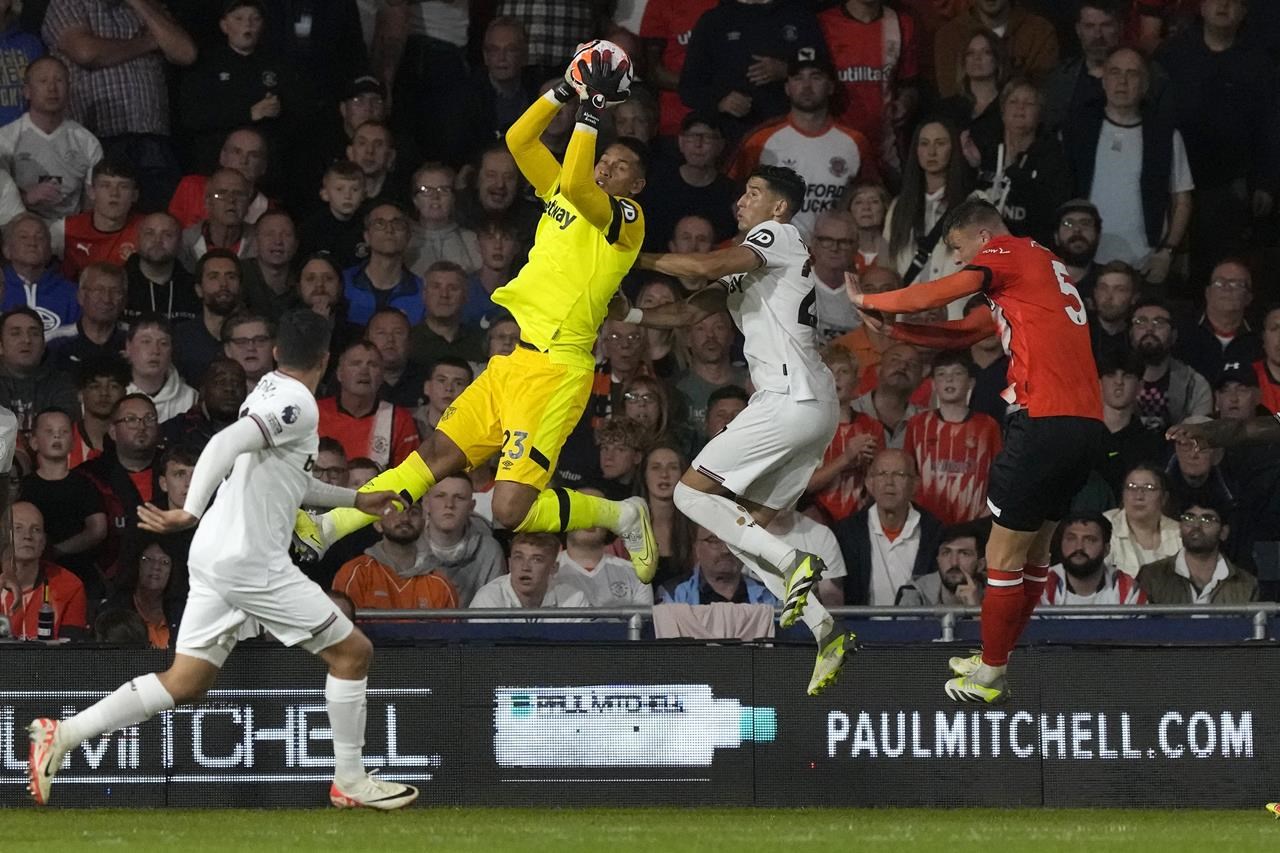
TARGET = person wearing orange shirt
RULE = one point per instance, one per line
(364, 425)
(866, 343)
(390, 574)
(108, 231)
(148, 579)
(25, 582)
(101, 385)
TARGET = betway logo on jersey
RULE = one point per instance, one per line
(560, 214)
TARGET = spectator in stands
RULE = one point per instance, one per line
(604, 579)
(622, 442)
(839, 483)
(1222, 335)
(865, 343)
(1236, 395)
(982, 69)
(500, 90)
(226, 196)
(1128, 442)
(108, 231)
(692, 187)
(28, 384)
(827, 155)
(99, 333)
(660, 344)
(1029, 40)
(27, 579)
(876, 51)
(459, 544)
(390, 575)
(361, 470)
(116, 55)
(1268, 367)
(76, 522)
(935, 179)
(741, 78)
(373, 149)
(710, 343)
(199, 340)
(248, 340)
(1075, 240)
(222, 394)
(269, 285)
(238, 82)
(147, 585)
(337, 228)
(442, 333)
(402, 380)
(448, 378)
(868, 204)
(716, 576)
(1075, 85)
(494, 195)
(662, 468)
(18, 49)
(692, 233)
(157, 283)
(665, 28)
(149, 351)
(1199, 574)
(121, 629)
(529, 581)
(320, 288)
(245, 151)
(802, 532)
(1171, 390)
(1086, 575)
(125, 474)
(953, 446)
(637, 117)
(890, 542)
(723, 406)
(49, 155)
(1195, 474)
(498, 246)
(384, 279)
(833, 245)
(897, 377)
(1114, 296)
(101, 385)
(355, 417)
(436, 235)
(645, 401)
(1131, 163)
(959, 577)
(1228, 115)
(503, 336)
(360, 99)
(1141, 532)
(176, 464)
(331, 462)
(31, 279)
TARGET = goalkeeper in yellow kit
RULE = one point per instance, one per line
(526, 404)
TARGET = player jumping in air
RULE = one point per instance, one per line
(764, 458)
(1054, 426)
(242, 580)
(526, 404)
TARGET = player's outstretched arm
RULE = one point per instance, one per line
(975, 326)
(916, 297)
(708, 265)
(675, 315)
(1227, 433)
(524, 140)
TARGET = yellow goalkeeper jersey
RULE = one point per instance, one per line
(560, 297)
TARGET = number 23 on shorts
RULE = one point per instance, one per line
(516, 439)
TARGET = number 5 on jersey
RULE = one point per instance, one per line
(1077, 312)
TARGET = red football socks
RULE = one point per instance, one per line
(1002, 609)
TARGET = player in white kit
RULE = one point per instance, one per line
(242, 581)
(764, 458)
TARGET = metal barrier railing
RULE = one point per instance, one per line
(635, 617)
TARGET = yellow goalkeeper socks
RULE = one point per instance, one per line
(411, 479)
(558, 510)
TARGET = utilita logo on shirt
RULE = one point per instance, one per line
(560, 214)
(861, 74)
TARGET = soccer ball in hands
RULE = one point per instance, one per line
(613, 55)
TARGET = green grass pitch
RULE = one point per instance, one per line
(457, 830)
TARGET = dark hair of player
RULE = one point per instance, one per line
(302, 339)
(638, 148)
(785, 182)
(973, 211)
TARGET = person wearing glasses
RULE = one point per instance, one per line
(1075, 240)
(152, 582)
(384, 279)
(126, 475)
(226, 198)
(1198, 573)
(436, 235)
(1223, 335)
(1171, 390)
(1141, 532)
(247, 340)
(833, 245)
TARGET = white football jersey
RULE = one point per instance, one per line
(773, 305)
(246, 531)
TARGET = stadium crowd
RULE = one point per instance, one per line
(176, 175)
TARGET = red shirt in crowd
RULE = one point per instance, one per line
(66, 594)
(81, 449)
(954, 461)
(1270, 388)
(848, 493)
(387, 435)
(671, 21)
(84, 244)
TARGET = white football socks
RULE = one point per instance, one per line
(345, 699)
(734, 525)
(133, 702)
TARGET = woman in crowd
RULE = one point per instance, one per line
(149, 583)
(662, 345)
(1141, 533)
(869, 204)
(645, 401)
(981, 72)
(661, 470)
